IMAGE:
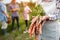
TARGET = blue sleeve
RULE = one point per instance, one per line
(3, 8)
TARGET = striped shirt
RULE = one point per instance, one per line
(14, 14)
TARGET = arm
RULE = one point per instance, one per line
(30, 10)
(18, 8)
(6, 14)
(4, 10)
(55, 16)
(14, 9)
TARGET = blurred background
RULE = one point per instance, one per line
(19, 1)
(19, 35)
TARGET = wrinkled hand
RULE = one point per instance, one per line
(45, 17)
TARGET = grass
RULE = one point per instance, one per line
(16, 35)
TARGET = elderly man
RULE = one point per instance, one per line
(52, 26)
(3, 17)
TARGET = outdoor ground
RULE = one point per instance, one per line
(16, 34)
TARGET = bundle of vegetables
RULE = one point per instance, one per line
(37, 10)
(36, 25)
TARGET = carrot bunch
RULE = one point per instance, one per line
(36, 26)
(33, 26)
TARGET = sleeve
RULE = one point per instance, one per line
(55, 16)
(10, 7)
(29, 8)
(3, 8)
(51, 11)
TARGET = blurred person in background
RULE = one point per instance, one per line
(3, 17)
(14, 8)
(26, 13)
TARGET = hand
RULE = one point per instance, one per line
(33, 17)
(29, 11)
(14, 9)
(7, 15)
(45, 17)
